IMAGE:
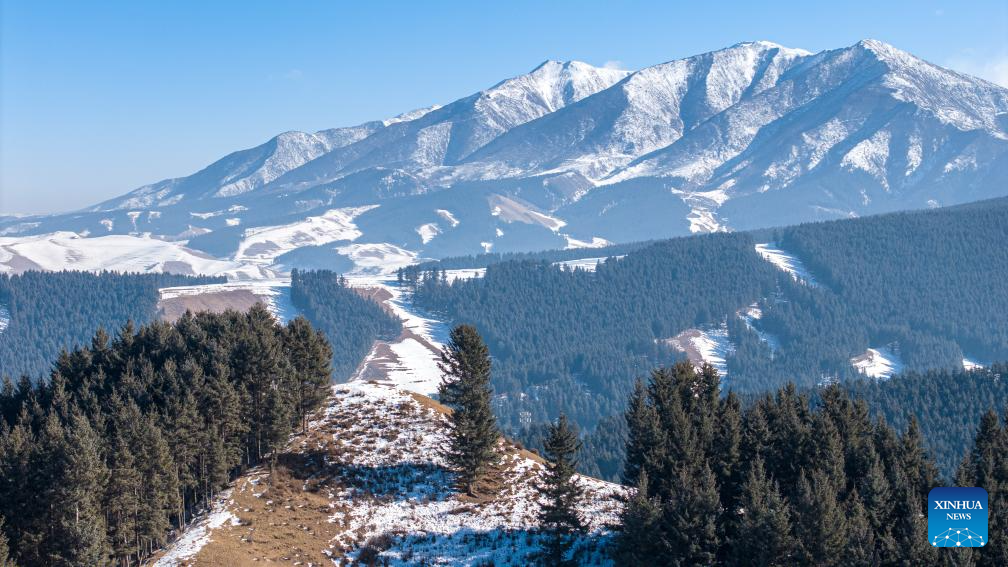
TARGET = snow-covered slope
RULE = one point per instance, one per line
(369, 482)
(123, 253)
(566, 155)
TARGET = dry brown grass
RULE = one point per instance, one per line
(287, 522)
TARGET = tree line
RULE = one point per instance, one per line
(130, 436)
(336, 309)
(51, 311)
(574, 341)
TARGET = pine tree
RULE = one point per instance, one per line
(464, 359)
(859, 549)
(988, 469)
(558, 516)
(81, 523)
(311, 358)
(277, 428)
(473, 433)
(765, 534)
(820, 523)
(687, 530)
(635, 544)
(645, 443)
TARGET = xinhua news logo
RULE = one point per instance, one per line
(957, 517)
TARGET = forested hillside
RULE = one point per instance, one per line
(51, 311)
(350, 322)
(782, 482)
(130, 436)
(928, 285)
(948, 405)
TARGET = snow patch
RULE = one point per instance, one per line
(197, 535)
(971, 364)
(264, 244)
(124, 253)
(787, 262)
(377, 258)
(704, 345)
(428, 231)
(881, 363)
(448, 216)
(596, 242)
(274, 293)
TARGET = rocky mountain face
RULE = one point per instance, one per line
(569, 155)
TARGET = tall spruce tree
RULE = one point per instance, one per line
(559, 516)
(311, 359)
(636, 544)
(473, 432)
(765, 535)
(81, 522)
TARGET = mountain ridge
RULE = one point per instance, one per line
(750, 136)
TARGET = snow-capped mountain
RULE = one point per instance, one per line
(753, 135)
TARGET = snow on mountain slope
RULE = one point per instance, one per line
(265, 244)
(70, 251)
(245, 170)
(787, 262)
(448, 134)
(647, 111)
(881, 363)
(369, 482)
(751, 136)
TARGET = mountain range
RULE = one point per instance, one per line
(568, 155)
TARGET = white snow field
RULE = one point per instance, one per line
(971, 364)
(118, 252)
(787, 262)
(710, 345)
(4, 318)
(265, 243)
(882, 362)
(409, 361)
(383, 478)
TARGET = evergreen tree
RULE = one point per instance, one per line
(311, 358)
(279, 413)
(636, 544)
(645, 444)
(820, 525)
(859, 549)
(473, 433)
(81, 522)
(465, 359)
(765, 534)
(687, 530)
(559, 515)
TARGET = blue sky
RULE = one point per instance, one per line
(99, 98)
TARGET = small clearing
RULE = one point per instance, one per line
(711, 346)
(787, 262)
(237, 295)
(881, 362)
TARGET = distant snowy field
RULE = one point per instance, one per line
(275, 294)
(882, 362)
(787, 262)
